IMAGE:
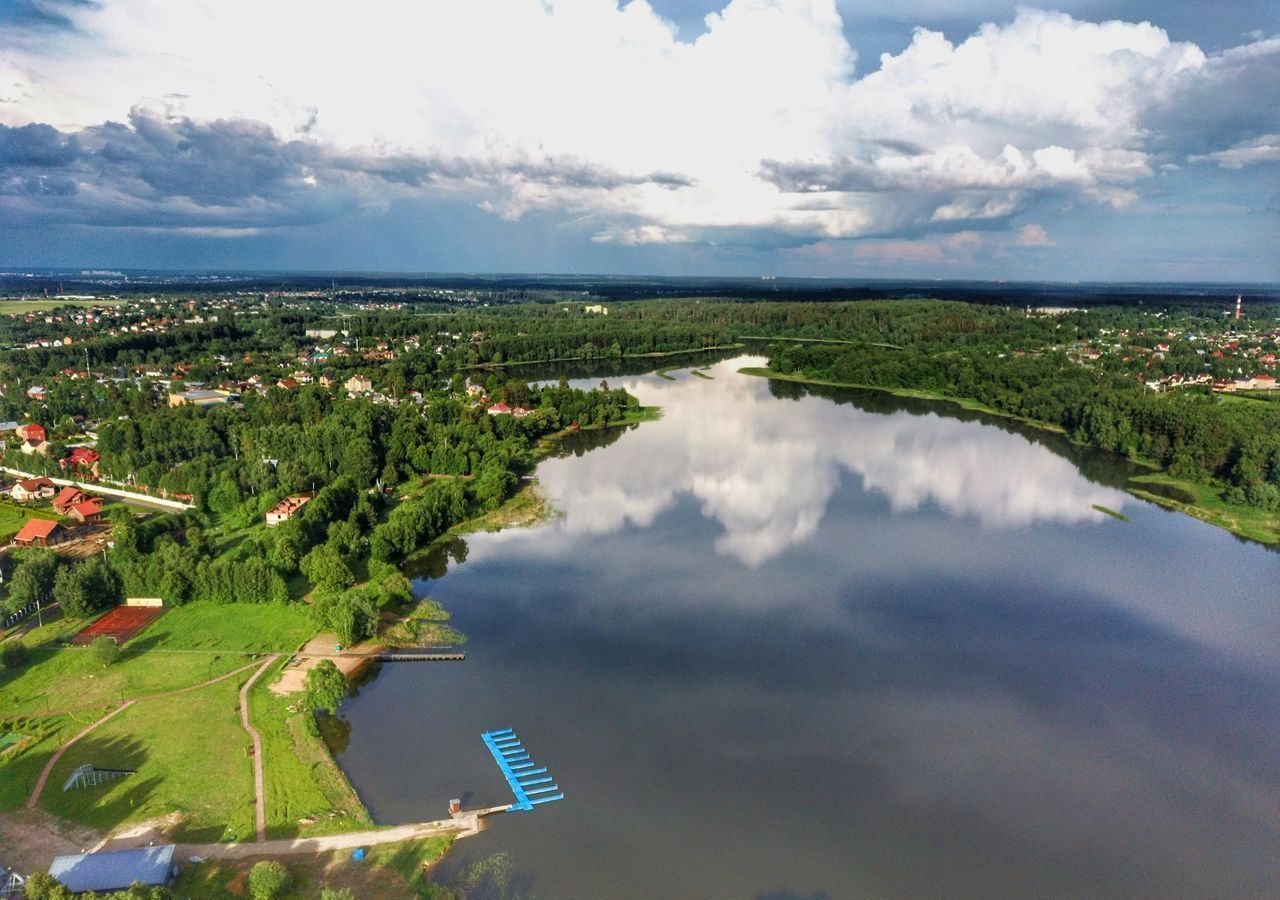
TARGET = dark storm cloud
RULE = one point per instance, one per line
(159, 170)
(416, 171)
(1231, 102)
(846, 175)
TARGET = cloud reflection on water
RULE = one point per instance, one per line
(767, 477)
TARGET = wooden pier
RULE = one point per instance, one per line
(421, 656)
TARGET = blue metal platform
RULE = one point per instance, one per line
(519, 770)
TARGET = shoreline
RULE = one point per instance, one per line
(1243, 522)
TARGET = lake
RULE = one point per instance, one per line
(789, 644)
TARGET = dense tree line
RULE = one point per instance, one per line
(1194, 434)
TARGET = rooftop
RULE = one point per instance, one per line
(114, 870)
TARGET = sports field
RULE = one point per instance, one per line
(121, 623)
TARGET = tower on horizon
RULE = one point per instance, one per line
(1239, 303)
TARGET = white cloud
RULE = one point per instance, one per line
(1262, 149)
(761, 118)
(1033, 235)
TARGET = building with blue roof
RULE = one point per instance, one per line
(114, 870)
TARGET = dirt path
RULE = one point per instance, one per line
(31, 838)
(294, 678)
(259, 789)
(461, 826)
(57, 755)
(53, 760)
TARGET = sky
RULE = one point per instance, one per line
(1086, 140)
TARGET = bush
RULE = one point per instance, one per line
(13, 655)
(105, 650)
(268, 879)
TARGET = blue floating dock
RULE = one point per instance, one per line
(516, 766)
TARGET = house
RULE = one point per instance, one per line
(35, 392)
(287, 383)
(33, 432)
(33, 489)
(359, 384)
(86, 512)
(499, 409)
(203, 398)
(115, 870)
(520, 412)
(67, 498)
(80, 458)
(40, 533)
(29, 448)
(8, 428)
(287, 508)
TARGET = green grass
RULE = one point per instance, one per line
(22, 307)
(307, 795)
(411, 858)
(190, 757)
(1205, 502)
(13, 517)
(69, 678)
(233, 628)
(388, 872)
(20, 766)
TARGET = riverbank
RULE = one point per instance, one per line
(1201, 501)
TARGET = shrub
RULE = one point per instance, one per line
(268, 879)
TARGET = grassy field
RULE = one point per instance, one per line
(525, 507)
(13, 517)
(70, 678)
(1205, 503)
(239, 627)
(22, 307)
(168, 741)
(307, 795)
(20, 765)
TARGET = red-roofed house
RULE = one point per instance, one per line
(87, 511)
(287, 508)
(33, 432)
(499, 409)
(67, 498)
(40, 533)
(33, 489)
(80, 458)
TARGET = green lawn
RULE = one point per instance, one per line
(20, 766)
(13, 517)
(235, 627)
(307, 794)
(1205, 503)
(69, 678)
(190, 757)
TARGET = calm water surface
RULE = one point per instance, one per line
(780, 645)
